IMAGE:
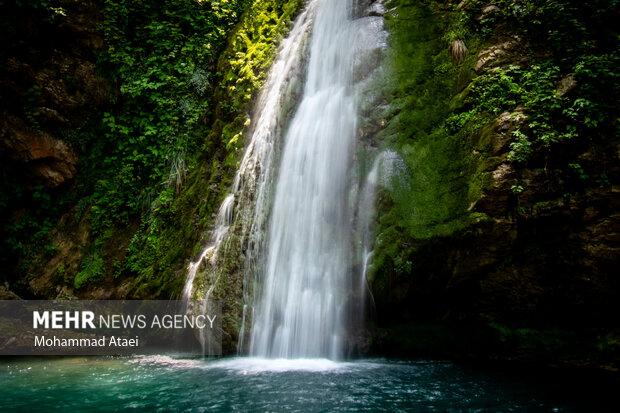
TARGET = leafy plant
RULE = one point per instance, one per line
(521, 148)
(93, 268)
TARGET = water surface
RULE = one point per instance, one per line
(163, 383)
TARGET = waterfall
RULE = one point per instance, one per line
(303, 300)
(290, 223)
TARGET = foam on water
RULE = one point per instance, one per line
(254, 365)
(257, 365)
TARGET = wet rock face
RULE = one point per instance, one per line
(488, 11)
(376, 9)
(539, 255)
(551, 268)
(503, 128)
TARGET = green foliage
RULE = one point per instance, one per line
(160, 155)
(162, 56)
(578, 171)
(176, 218)
(245, 64)
(521, 148)
(609, 343)
(553, 117)
(583, 44)
(567, 27)
(517, 189)
(25, 234)
(93, 268)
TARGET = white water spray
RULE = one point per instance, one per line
(302, 304)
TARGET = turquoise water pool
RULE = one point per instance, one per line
(163, 383)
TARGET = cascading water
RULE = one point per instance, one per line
(289, 224)
(301, 307)
(209, 254)
(245, 206)
(386, 172)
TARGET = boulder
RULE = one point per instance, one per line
(376, 9)
(487, 11)
(565, 85)
(49, 160)
(6, 294)
(508, 51)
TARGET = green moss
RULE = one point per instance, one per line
(425, 86)
(245, 64)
